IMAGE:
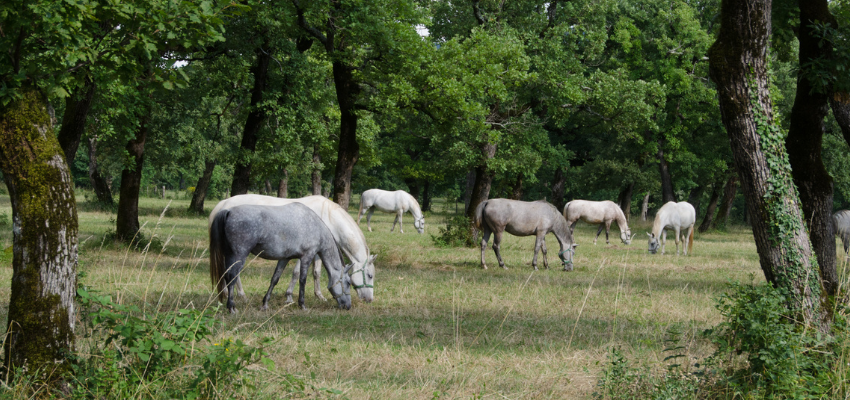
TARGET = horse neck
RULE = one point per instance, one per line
(331, 259)
(659, 223)
(561, 231)
(414, 208)
(621, 220)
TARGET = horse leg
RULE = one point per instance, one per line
(235, 267)
(369, 219)
(678, 232)
(317, 279)
(302, 280)
(497, 244)
(543, 249)
(663, 240)
(607, 231)
(599, 231)
(296, 272)
(281, 265)
(485, 236)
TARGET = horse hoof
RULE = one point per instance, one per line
(289, 300)
(303, 307)
(265, 307)
(483, 266)
(234, 310)
(320, 297)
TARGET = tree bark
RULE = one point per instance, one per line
(242, 170)
(467, 192)
(644, 208)
(729, 192)
(695, 196)
(841, 111)
(667, 193)
(349, 150)
(40, 333)
(98, 183)
(283, 185)
(426, 197)
(77, 108)
(737, 63)
(516, 190)
(483, 180)
(316, 176)
(558, 183)
(197, 203)
(624, 200)
(412, 187)
(712, 206)
(127, 218)
(804, 143)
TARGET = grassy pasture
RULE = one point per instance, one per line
(439, 326)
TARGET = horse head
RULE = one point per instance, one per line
(653, 243)
(626, 236)
(363, 279)
(419, 224)
(341, 289)
(566, 257)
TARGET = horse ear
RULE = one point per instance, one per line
(348, 268)
(648, 234)
(575, 245)
(373, 257)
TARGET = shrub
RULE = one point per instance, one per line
(457, 233)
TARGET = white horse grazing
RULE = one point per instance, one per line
(345, 231)
(841, 223)
(675, 216)
(397, 202)
(598, 212)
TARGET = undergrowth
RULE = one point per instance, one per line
(457, 233)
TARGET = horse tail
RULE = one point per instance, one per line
(691, 240)
(217, 243)
(478, 217)
(566, 207)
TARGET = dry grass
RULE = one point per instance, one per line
(439, 326)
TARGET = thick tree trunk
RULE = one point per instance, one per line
(98, 184)
(40, 333)
(467, 191)
(804, 143)
(644, 208)
(197, 203)
(283, 185)
(558, 183)
(738, 66)
(841, 111)
(77, 108)
(712, 206)
(516, 190)
(426, 197)
(349, 150)
(483, 180)
(127, 218)
(316, 176)
(667, 193)
(242, 170)
(267, 187)
(694, 198)
(412, 187)
(624, 200)
(729, 192)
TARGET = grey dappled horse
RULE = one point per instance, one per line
(397, 202)
(841, 223)
(675, 216)
(598, 212)
(523, 218)
(274, 233)
(347, 235)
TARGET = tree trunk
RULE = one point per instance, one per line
(738, 66)
(558, 188)
(841, 111)
(804, 143)
(242, 169)
(267, 187)
(483, 180)
(349, 150)
(644, 208)
(667, 193)
(694, 198)
(317, 172)
(729, 192)
(712, 206)
(283, 185)
(77, 107)
(467, 192)
(40, 333)
(426, 197)
(516, 190)
(412, 187)
(127, 218)
(624, 200)
(197, 203)
(98, 184)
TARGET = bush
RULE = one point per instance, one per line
(457, 233)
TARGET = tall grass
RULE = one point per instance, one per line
(440, 327)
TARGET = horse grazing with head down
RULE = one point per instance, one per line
(274, 233)
(841, 224)
(598, 212)
(398, 203)
(523, 218)
(675, 216)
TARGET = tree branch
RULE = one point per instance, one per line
(302, 22)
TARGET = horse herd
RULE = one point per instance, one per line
(316, 230)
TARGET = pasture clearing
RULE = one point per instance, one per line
(439, 326)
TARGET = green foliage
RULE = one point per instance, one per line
(130, 349)
(457, 233)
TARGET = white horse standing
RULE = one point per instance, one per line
(598, 212)
(841, 224)
(675, 216)
(397, 202)
(345, 231)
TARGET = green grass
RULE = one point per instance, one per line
(439, 326)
